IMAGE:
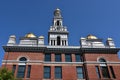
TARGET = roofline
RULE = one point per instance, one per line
(59, 49)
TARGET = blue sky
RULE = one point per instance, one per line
(82, 17)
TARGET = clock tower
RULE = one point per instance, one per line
(58, 34)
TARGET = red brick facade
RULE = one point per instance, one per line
(91, 66)
(68, 69)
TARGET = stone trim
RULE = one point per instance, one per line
(60, 49)
(38, 61)
(41, 49)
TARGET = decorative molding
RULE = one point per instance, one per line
(38, 61)
(60, 49)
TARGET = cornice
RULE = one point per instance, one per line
(23, 49)
(58, 32)
(59, 49)
(99, 50)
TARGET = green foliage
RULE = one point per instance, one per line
(5, 74)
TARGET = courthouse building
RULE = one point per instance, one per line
(31, 59)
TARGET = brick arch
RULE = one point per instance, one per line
(23, 56)
(101, 57)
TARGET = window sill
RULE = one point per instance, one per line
(108, 78)
(50, 79)
(80, 79)
(46, 79)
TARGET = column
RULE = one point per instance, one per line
(55, 42)
(26, 70)
(73, 57)
(110, 74)
(100, 72)
(49, 42)
(52, 73)
(64, 42)
(16, 70)
(61, 42)
(52, 57)
(67, 42)
(63, 57)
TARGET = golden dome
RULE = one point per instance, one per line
(30, 35)
(90, 36)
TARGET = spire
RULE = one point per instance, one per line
(58, 34)
(58, 21)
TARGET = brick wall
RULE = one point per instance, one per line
(92, 57)
(68, 70)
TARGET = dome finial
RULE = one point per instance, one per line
(57, 12)
(58, 9)
(30, 35)
(90, 36)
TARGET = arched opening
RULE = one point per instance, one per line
(21, 67)
(22, 59)
(104, 68)
(102, 60)
(58, 40)
(58, 23)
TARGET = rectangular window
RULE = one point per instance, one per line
(28, 71)
(65, 42)
(47, 72)
(21, 71)
(105, 72)
(13, 69)
(54, 42)
(68, 58)
(80, 73)
(78, 57)
(51, 42)
(58, 72)
(47, 57)
(62, 42)
(58, 57)
(98, 72)
(112, 72)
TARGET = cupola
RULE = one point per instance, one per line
(30, 35)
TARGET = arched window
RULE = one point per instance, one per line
(103, 68)
(22, 59)
(58, 40)
(22, 68)
(102, 60)
(58, 23)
